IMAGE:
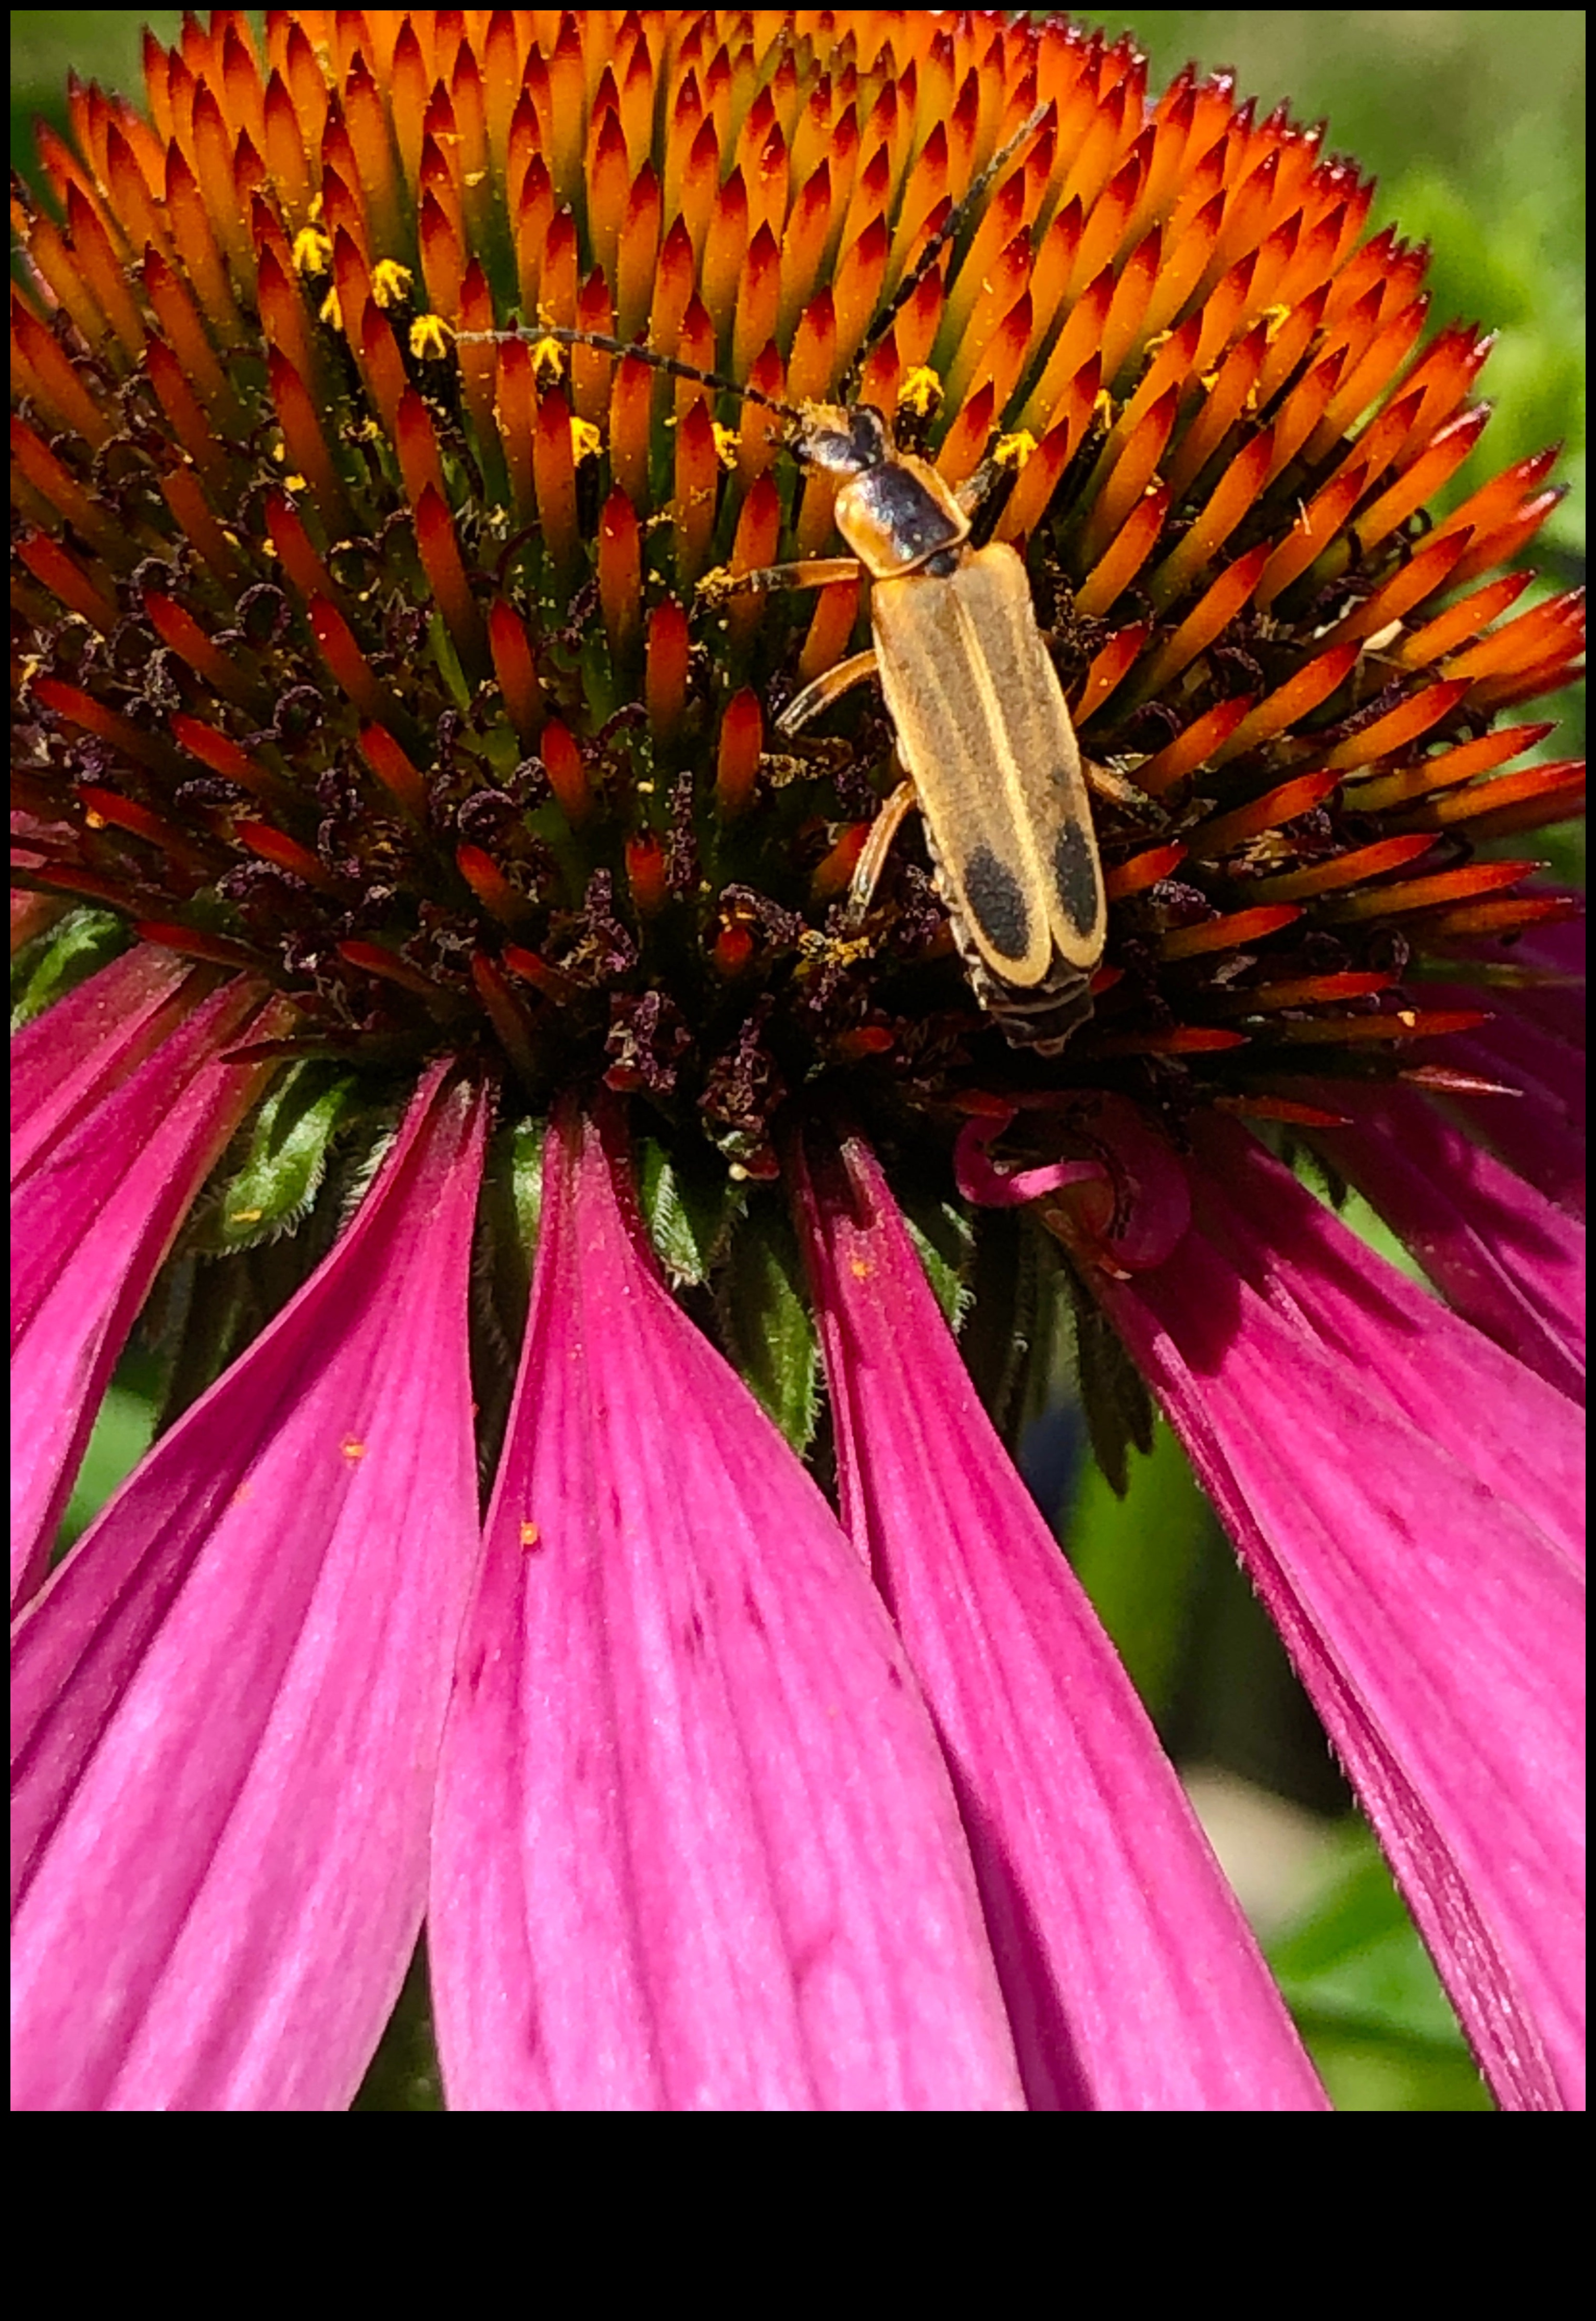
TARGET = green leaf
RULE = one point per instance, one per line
(1368, 2000)
(1367, 1997)
(77, 947)
(124, 1432)
(1141, 1554)
(766, 1323)
(1356, 1957)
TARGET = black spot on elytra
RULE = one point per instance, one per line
(1073, 866)
(996, 903)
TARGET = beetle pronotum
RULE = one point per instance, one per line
(982, 729)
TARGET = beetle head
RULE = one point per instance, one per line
(846, 439)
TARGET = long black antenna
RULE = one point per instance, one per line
(944, 234)
(531, 332)
(606, 345)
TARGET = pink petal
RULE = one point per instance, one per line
(1386, 1505)
(1558, 950)
(228, 1699)
(1512, 1433)
(695, 1845)
(91, 1221)
(1534, 1042)
(1500, 1252)
(1539, 1130)
(1131, 1978)
(66, 1061)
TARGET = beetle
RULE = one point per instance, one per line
(988, 750)
(982, 729)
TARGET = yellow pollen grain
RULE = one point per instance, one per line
(312, 252)
(1014, 451)
(860, 1268)
(586, 442)
(429, 336)
(528, 1534)
(816, 950)
(920, 393)
(548, 361)
(331, 312)
(726, 442)
(245, 1216)
(352, 1447)
(390, 281)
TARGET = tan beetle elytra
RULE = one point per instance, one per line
(987, 747)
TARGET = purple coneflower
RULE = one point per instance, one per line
(482, 1067)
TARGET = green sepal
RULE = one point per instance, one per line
(1117, 1407)
(404, 2075)
(289, 1138)
(203, 1314)
(945, 1241)
(1007, 1337)
(508, 1217)
(66, 955)
(691, 1209)
(767, 1325)
(1037, 1384)
(527, 1139)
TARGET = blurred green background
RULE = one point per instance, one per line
(1472, 120)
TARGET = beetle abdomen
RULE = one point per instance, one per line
(1045, 1016)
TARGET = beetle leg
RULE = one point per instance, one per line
(811, 698)
(872, 861)
(1104, 783)
(975, 486)
(814, 572)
